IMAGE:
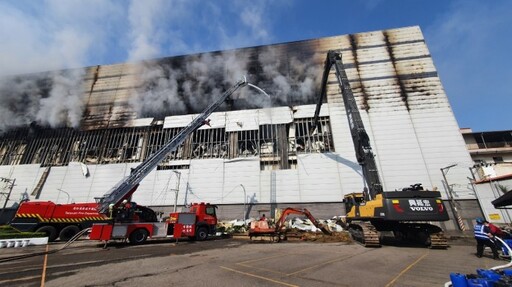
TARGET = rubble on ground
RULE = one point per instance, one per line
(297, 229)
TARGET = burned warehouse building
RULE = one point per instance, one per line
(69, 136)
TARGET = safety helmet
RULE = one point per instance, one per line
(480, 220)
(125, 201)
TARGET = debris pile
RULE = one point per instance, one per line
(297, 229)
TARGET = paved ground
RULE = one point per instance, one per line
(232, 262)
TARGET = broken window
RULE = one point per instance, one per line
(209, 143)
(268, 142)
(122, 145)
(277, 145)
(245, 144)
(274, 146)
(157, 138)
(318, 141)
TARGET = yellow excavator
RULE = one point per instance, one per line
(406, 213)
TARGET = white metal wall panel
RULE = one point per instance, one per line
(177, 121)
(127, 81)
(242, 120)
(370, 39)
(244, 172)
(159, 187)
(26, 176)
(206, 181)
(265, 188)
(217, 120)
(110, 83)
(442, 145)
(53, 183)
(318, 178)
(279, 115)
(308, 111)
(73, 182)
(370, 71)
(397, 150)
(414, 66)
(372, 54)
(288, 188)
(405, 34)
(142, 122)
(111, 70)
(410, 50)
(106, 176)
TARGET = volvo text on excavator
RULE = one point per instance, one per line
(407, 212)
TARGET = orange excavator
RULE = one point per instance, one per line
(278, 233)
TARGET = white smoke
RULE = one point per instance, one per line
(50, 99)
(291, 77)
(167, 88)
(184, 85)
(43, 36)
(64, 105)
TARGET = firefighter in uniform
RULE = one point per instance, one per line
(484, 238)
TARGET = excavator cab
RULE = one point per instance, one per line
(353, 199)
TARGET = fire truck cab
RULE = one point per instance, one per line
(198, 223)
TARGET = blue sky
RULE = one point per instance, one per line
(470, 41)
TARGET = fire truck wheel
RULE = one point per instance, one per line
(202, 233)
(50, 231)
(68, 232)
(138, 236)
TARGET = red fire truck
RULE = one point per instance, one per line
(199, 223)
(56, 220)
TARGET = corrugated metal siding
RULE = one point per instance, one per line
(288, 187)
(27, 177)
(319, 178)
(206, 181)
(246, 172)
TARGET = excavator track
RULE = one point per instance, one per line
(364, 233)
(426, 234)
(438, 241)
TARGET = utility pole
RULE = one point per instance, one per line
(11, 182)
(245, 199)
(456, 214)
(176, 190)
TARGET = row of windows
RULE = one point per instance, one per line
(276, 145)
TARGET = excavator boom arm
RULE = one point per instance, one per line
(303, 211)
(360, 138)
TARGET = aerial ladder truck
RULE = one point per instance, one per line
(407, 212)
(142, 223)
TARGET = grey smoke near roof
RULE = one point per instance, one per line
(179, 86)
(166, 87)
(50, 99)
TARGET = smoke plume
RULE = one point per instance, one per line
(179, 86)
(49, 99)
